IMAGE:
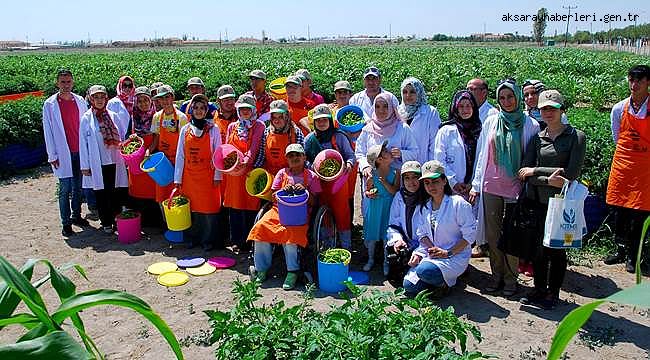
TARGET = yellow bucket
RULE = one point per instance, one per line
(252, 177)
(277, 89)
(178, 217)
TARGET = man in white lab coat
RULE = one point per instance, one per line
(479, 88)
(61, 116)
(372, 87)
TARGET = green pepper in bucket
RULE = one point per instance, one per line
(329, 167)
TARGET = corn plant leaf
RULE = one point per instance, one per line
(21, 286)
(27, 320)
(93, 298)
(38, 331)
(8, 300)
(55, 345)
(639, 276)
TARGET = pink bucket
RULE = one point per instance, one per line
(221, 153)
(128, 230)
(133, 160)
(324, 155)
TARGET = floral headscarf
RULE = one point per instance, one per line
(407, 111)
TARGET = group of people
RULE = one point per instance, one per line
(434, 193)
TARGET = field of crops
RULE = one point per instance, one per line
(591, 80)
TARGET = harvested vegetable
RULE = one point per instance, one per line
(132, 146)
(335, 256)
(372, 191)
(128, 214)
(329, 167)
(178, 200)
(230, 160)
(260, 184)
(351, 118)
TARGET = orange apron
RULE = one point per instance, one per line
(142, 186)
(276, 144)
(236, 196)
(167, 143)
(269, 229)
(629, 183)
(198, 174)
(337, 201)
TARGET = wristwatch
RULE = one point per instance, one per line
(450, 253)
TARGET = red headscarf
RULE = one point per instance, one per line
(127, 96)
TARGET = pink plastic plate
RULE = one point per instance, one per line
(221, 262)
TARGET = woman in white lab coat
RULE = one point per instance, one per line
(446, 230)
(101, 164)
(423, 118)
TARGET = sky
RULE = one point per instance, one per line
(71, 20)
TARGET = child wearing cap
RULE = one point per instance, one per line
(401, 239)
(268, 230)
(446, 229)
(258, 90)
(100, 161)
(195, 176)
(380, 189)
(245, 134)
(325, 136)
(277, 136)
(165, 126)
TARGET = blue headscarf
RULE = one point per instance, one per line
(407, 112)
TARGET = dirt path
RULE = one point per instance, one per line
(30, 229)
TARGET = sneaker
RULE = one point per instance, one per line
(81, 222)
(532, 298)
(67, 231)
(549, 302)
(93, 215)
(290, 281)
(509, 289)
(108, 230)
(368, 265)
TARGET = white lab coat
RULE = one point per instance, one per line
(362, 100)
(486, 110)
(424, 128)
(450, 151)
(402, 139)
(215, 140)
(454, 221)
(90, 140)
(398, 218)
(531, 128)
(123, 117)
(55, 140)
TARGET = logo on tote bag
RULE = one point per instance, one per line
(569, 219)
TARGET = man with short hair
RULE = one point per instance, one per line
(628, 190)
(479, 88)
(298, 107)
(366, 97)
(195, 86)
(62, 114)
(310, 96)
(262, 98)
(227, 113)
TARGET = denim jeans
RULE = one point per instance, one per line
(91, 201)
(430, 277)
(70, 191)
(263, 256)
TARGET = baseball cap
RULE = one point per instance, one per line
(142, 90)
(258, 74)
(293, 79)
(294, 148)
(225, 91)
(550, 98)
(374, 152)
(245, 100)
(303, 74)
(372, 71)
(321, 111)
(164, 90)
(411, 166)
(342, 85)
(432, 170)
(195, 81)
(279, 106)
(97, 89)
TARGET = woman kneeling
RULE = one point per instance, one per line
(269, 230)
(446, 230)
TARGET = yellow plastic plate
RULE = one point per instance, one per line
(204, 269)
(162, 267)
(173, 278)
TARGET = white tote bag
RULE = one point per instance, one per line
(565, 219)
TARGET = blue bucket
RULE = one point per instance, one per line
(159, 168)
(332, 276)
(292, 209)
(344, 111)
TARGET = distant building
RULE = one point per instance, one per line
(13, 44)
(491, 37)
